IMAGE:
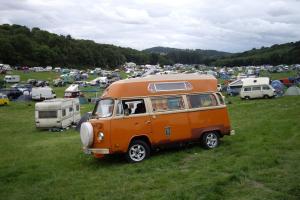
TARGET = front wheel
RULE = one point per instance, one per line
(210, 140)
(138, 151)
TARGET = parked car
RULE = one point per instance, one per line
(57, 113)
(11, 93)
(136, 115)
(257, 91)
(287, 82)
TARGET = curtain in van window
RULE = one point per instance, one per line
(167, 103)
(202, 100)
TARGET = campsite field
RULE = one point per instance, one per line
(260, 162)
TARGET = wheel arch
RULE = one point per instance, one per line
(144, 138)
(218, 131)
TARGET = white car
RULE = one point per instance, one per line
(257, 91)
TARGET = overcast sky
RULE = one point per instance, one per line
(227, 25)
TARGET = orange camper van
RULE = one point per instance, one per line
(137, 115)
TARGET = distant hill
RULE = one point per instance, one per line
(288, 53)
(188, 56)
(208, 53)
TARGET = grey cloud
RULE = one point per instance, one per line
(228, 25)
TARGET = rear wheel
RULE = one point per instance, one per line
(138, 151)
(210, 140)
(247, 97)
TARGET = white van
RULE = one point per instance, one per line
(257, 91)
(12, 78)
(57, 113)
(42, 93)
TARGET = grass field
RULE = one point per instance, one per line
(260, 162)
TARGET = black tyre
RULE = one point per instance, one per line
(266, 97)
(138, 151)
(210, 140)
(247, 97)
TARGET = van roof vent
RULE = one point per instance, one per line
(169, 86)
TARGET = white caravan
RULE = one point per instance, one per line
(42, 93)
(57, 113)
(12, 78)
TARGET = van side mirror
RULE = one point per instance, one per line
(126, 111)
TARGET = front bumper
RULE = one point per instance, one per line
(96, 151)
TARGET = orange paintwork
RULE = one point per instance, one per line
(186, 124)
(138, 87)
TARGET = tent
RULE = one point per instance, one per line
(292, 91)
(278, 86)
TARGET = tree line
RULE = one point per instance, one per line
(288, 53)
(21, 46)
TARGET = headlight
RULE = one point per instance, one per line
(100, 136)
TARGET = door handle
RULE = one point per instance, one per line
(147, 122)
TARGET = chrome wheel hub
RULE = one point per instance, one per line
(137, 152)
(212, 140)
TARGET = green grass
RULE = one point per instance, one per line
(276, 76)
(260, 162)
(46, 76)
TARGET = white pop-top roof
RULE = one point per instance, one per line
(251, 81)
(73, 88)
(256, 81)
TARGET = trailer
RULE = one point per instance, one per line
(12, 78)
(57, 113)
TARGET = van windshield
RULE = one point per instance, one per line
(104, 108)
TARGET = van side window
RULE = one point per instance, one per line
(135, 106)
(167, 103)
(201, 100)
(220, 98)
(247, 89)
(265, 87)
(256, 88)
(70, 109)
(77, 107)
